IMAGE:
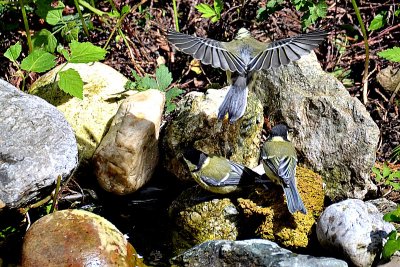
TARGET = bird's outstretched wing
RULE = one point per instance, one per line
(284, 51)
(208, 51)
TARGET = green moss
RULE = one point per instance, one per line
(273, 218)
(197, 219)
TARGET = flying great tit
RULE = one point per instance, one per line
(241, 57)
(218, 174)
(279, 160)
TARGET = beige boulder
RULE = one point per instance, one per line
(128, 154)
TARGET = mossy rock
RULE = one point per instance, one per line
(266, 211)
(198, 217)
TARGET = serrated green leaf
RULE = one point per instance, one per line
(170, 107)
(386, 171)
(13, 52)
(206, 10)
(390, 248)
(38, 61)
(71, 83)
(65, 53)
(163, 77)
(377, 22)
(45, 10)
(397, 12)
(71, 31)
(391, 54)
(173, 93)
(147, 83)
(86, 52)
(44, 40)
(393, 216)
(218, 6)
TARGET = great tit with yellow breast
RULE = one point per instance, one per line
(218, 174)
(279, 159)
(241, 57)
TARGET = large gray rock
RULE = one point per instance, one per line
(252, 252)
(127, 156)
(196, 125)
(333, 132)
(36, 145)
(353, 229)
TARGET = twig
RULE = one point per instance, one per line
(364, 33)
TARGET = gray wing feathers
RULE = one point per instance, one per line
(208, 51)
(282, 52)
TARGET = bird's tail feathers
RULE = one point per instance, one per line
(234, 103)
(294, 202)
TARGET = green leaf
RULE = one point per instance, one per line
(71, 83)
(44, 40)
(393, 216)
(86, 52)
(377, 23)
(390, 248)
(386, 171)
(45, 10)
(218, 6)
(391, 54)
(163, 77)
(70, 32)
(147, 83)
(172, 93)
(125, 9)
(206, 10)
(378, 175)
(397, 12)
(65, 53)
(38, 61)
(13, 52)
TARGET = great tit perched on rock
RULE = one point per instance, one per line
(279, 160)
(241, 57)
(218, 174)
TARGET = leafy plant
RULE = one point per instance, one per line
(162, 81)
(393, 243)
(312, 10)
(41, 61)
(213, 13)
(377, 22)
(387, 176)
(396, 153)
(391, 54)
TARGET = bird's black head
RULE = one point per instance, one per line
(280, 130)
(196, 157)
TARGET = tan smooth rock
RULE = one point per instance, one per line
(76, 238)
(127, 155)
(103, 91)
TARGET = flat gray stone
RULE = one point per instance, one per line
(252, 252)
(36, 145)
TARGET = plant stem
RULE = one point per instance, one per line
(55, 196)
(364, 33)
(85, 29)
(93, 9)
(27, 31)
(175, 15)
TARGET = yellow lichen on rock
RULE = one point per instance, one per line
(268, 209)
